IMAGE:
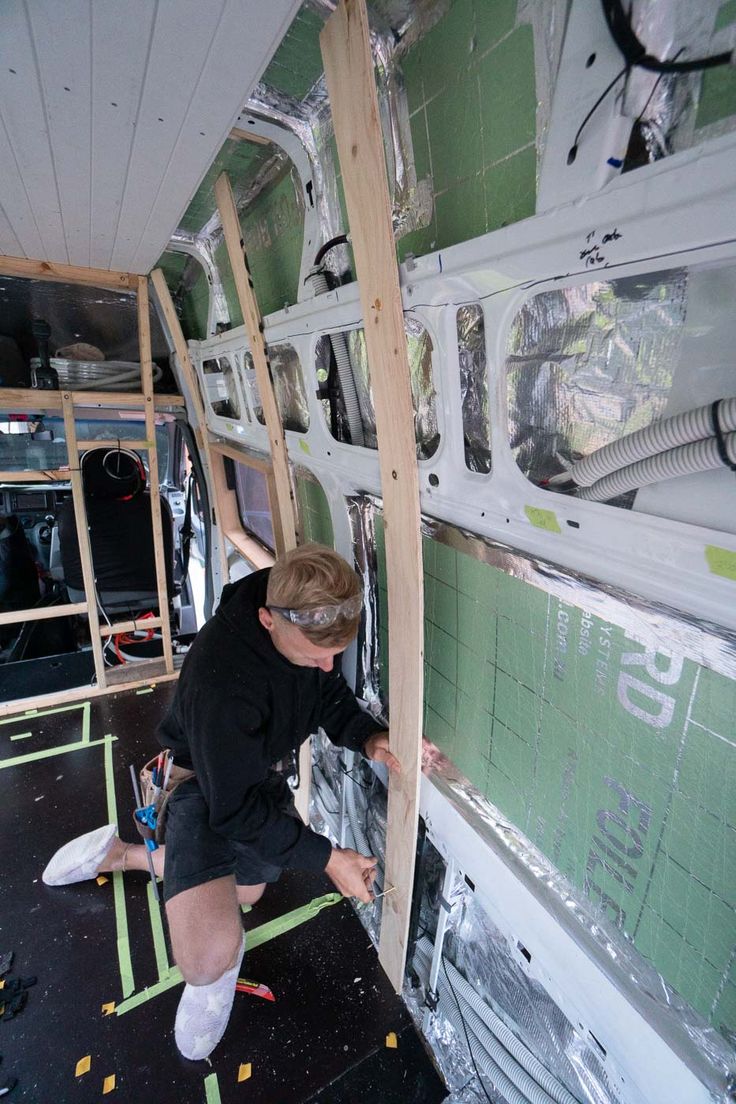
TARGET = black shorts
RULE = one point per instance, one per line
(195, 854)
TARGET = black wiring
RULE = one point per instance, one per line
(635, 52)
(351, 776)
(573, 151)
(465, 1029)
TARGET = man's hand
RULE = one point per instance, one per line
(352, 873)
(376, 748)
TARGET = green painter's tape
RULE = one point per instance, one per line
(125, 963)
(253, 939)
(157, 931)
(22, 736)
(289, 920)
(49, 753)
(721, 561)
(212, 1089)
(45, 712)
(304, 447)
(543, 519)
(145, 690)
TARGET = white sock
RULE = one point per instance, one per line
(203, 1013)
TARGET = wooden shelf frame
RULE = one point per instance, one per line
(68, 403)
(227, 501)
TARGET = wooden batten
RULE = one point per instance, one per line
(239, 135)
(190, 378)
(142, 625)
(42, 613)
(281, 494)
(81, 693)
(85, 552)
(18, 399)
(348, 64)
(66, 274)
(144, 341)
(227, 500)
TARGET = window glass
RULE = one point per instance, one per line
(253, 505)
(41, 444)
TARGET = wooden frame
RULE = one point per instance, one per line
(239, 135)
(144, 341)
(67, 274)
(227, 500)
(24, 398)
(284, 516)
(67, 402)
(190, 378)
(345, 43)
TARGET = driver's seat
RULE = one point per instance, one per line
(121, 534)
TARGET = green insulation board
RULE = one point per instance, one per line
(471, 89)
(617, 762)
(314, 511)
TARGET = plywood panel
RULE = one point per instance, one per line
(349, 72)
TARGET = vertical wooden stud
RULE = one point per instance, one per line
(348, 64)
(85, 552)
(144, 344)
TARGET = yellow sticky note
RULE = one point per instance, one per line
(101, 879)
(83, 1065)
(391, 1040)
(108, 1084)
(245, 1070)
(543, 519)
(108, 1009)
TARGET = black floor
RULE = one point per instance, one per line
(323, 1040)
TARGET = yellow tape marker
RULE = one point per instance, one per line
(391, 1040)
(83, 1065)
(543, 519)
(304, 447)
(101, 879)
(108, 1009)
(245, 1071)
(108, 1084)
(721, 561)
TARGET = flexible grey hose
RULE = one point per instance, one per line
(344, 368)
(660, 436)
(698, 456)
(480, 1048)
(507, 1051)
(111, 375)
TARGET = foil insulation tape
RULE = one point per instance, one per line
(424, 397)
(288, 383)
(586, 365)
(471, 343)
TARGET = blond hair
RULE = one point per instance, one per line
(312, 576)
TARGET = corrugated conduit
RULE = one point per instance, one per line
(510, 1065)
(699, 456)
(660, 436)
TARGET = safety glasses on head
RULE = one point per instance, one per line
(322, 616)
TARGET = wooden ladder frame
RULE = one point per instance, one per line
(67, 402)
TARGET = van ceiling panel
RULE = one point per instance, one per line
(111, 115)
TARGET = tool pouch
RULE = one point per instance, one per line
(160, 802)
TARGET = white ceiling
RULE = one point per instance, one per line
(111, 112)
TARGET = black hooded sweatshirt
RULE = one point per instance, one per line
(239, 707)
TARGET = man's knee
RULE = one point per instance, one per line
(249, 894)
(206, 963)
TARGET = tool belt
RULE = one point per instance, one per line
(157, 797)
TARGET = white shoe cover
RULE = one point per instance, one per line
(203, 1013)
(80, 859)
